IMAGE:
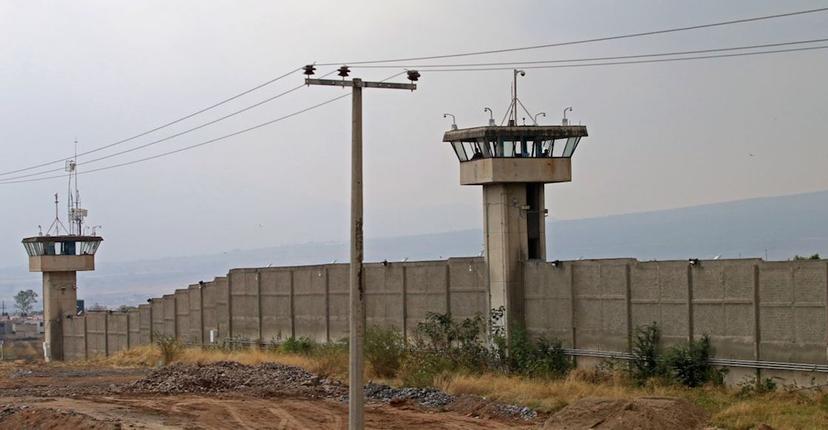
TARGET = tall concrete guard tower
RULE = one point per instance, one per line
(513, 162)
(59, 254)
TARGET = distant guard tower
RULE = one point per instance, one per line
(513, 162)
(60, 253)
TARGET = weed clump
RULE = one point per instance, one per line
(690, 364)
(293, 345)
(686, 364)
(646, 363)
(169, 346)
(385, 350)
(443, 345)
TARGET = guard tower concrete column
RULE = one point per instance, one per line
(59, 258)
(60, 296)
(512, 164)
(514, 232)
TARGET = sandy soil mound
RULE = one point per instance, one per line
(22, 417)
(645, 413)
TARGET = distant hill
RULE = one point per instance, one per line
(784, 226)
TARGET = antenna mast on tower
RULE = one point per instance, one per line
(76, 213)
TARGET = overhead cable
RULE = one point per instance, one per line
(165, 125)
(197, 145)
(578, 42)
(616, 63)
(164, 139)
(575, 60)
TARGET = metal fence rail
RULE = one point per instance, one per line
(724, 362)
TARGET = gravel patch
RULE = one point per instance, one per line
(272, 379)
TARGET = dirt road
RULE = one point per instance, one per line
(208, 412)
(58, 397)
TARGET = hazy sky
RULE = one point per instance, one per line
(661, 135)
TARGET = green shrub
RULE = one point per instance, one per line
(419, 368)
(550, 361)
(689, 364)
(292, 345)
(462, 343)
(538, 358)
(330, 359)
(646, 362)
(384, 349)
(169, 346)
(751, 386)
(463, 346)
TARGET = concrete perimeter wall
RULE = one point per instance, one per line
(751, 309)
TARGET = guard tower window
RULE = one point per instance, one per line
(61, 245)
(571, 144)
(515, 142)
(458, 149)
(68, 248)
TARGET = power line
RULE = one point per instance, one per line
(616, 63)
(574, 60)
(464, 54)
(197, 145)
(21, 178)
(578, 42)
(172, 136)
(234, 97)
(740, 54)
(176, 121)
(207, 142)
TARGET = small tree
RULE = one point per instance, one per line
(812, 257)
(24, 300)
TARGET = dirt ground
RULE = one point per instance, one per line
(230, 395)
(61, 397)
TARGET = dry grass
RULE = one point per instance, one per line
(331, 362)
(780, 410)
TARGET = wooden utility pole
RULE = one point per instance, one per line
(356, 392)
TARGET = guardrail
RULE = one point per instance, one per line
(725, 362)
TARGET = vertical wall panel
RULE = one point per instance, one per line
(117, 332)
(468, 288)
(549, 301)
(209, 312)
(182, 316)
(145, 324)
(338, 307)
(309, 302)
(426, 286)
(221, 297)
(170, 328)
(275, 290)
(158, 326)
(244, 303)
(383, 295)
(96, 333)
(195, 323)
(134, 336)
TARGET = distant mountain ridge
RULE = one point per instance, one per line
(779, 226)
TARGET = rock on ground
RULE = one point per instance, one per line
(269, 379)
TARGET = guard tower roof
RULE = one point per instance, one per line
(525, 132)
(62, 238)
(64, 245)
